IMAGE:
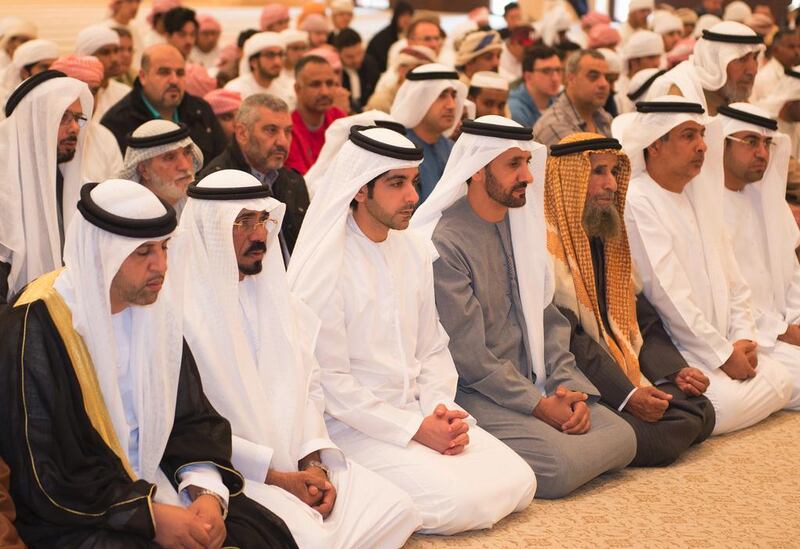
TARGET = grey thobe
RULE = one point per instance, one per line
(478, 300)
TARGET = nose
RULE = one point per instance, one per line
(411, 195)
(525, 174)
(159, 264)
(702, 145)
(185, 161)
(283, 139)
(451, 101)
(611, 183)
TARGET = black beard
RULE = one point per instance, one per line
(253, 269)
(65, 157)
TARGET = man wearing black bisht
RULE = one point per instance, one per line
(103, 418)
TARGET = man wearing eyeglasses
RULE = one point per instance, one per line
(261, 66)
(41, 156)
(763, 231)
(541, 83)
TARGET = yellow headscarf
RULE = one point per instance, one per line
(566, 185)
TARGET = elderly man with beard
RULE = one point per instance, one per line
(685, 261)
(162, 156)
(160, 92)
(315, 83)
(617, 337)
(721, 70)
(41, 152)
(260, 145)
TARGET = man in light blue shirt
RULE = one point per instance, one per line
(541, 83)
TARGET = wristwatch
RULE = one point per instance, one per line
(222, 505)
(318, 465)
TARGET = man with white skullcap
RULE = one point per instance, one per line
(494, 287)
(295, 43)
(683, 256)
(14, 31)
(428, 104)
(41, 150)
(489, 91)
(162, 156)
(159, 92)
(478, 51)
(238, 306)
(721, 70)
(32, 57)
(638, 12)
(617, 337)
(122, 15)
(100, 161)
(128, 452)
(388, 377)
(643, 50)
(763, 230)
(102, 42)
(260, 67)
(669, 26)
(783, 104)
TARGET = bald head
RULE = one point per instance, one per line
(163, 76)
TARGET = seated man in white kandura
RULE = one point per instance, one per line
(682, 253)
(388, 377)
(253, 343)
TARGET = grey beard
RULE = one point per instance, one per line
(601, 222)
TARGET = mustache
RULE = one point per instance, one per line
(519, 185)
(257, 246)
(279, 149)
(172, 88)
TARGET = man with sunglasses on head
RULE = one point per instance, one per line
(41, 154)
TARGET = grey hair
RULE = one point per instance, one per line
(574, 59)
(248, 111)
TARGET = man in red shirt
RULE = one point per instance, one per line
(314, 85)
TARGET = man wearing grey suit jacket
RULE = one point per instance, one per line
(517, 376)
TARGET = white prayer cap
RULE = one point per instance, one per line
(651, 120)
(335, 136)
(719, 45)
(613, 60)
(769, 193)
(665, 22)
(154, 138)
(16, 26)
(32, 51)
(256, 43)
(28, 154)
(95, 37)
(422, 87)
(116, 217)
(342, 6)
(787, 89)
(635, 5)
(482, 140)
(643, 43)
(704, 22)
(737, 11)
(292, 36)
(318, 254)
(488, 79)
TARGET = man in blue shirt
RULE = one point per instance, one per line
(541, 83)
(428, 104)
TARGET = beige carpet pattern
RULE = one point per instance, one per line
(737, 490)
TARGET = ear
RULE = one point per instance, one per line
(141, 170)
(241, 133)
(479, 176)
(361, 195)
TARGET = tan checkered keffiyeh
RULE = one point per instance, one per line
(566, 185)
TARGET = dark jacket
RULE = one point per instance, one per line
(130, 112)
(379, 46)
(368, 74)
(289, 188)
